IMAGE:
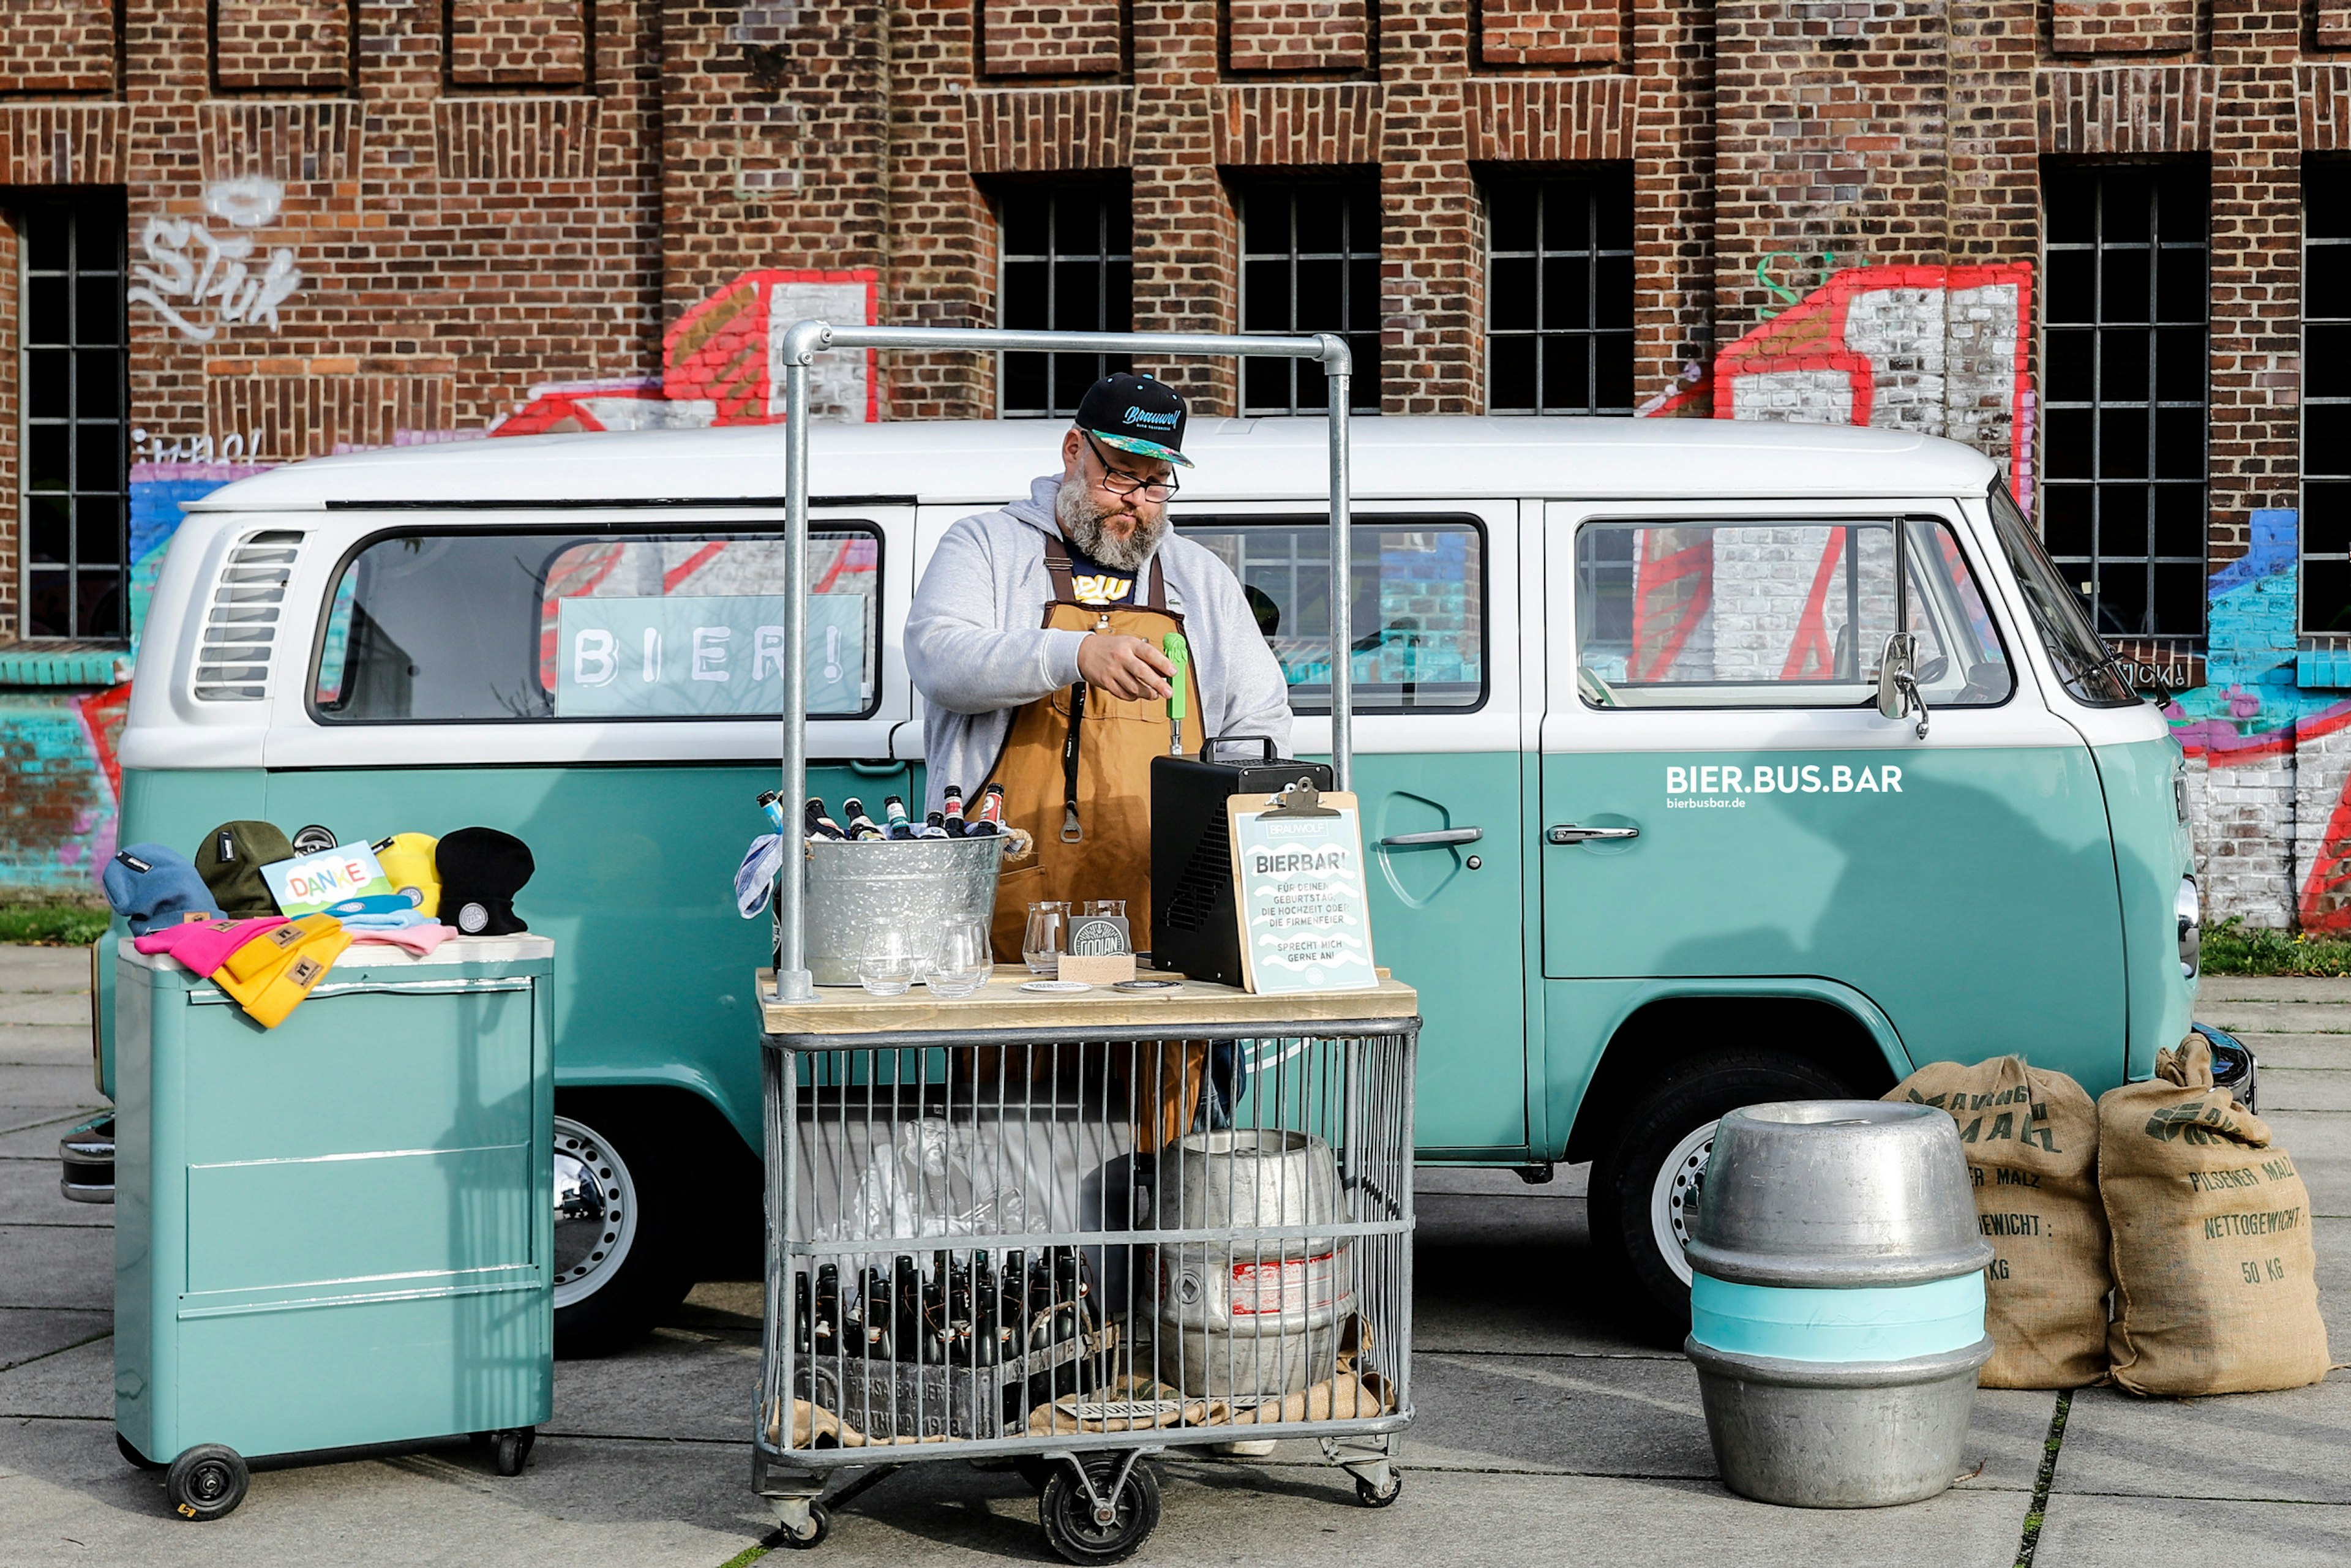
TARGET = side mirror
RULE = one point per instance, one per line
(1897, 680)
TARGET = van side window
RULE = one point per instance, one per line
(1777, 614)
(2084, 664)
(1418, 613)
(475, 626)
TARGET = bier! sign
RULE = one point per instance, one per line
(1298, 872)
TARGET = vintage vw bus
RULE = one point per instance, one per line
(1657, 834)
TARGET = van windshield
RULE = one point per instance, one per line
(471, 625)
(2083, 664)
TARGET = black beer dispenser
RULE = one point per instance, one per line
(1194, 928)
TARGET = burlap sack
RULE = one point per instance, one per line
(2031, 1140)
(2217, 1284)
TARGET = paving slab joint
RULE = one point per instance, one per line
(2030, 1541)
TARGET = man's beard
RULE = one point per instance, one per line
(1081, 522)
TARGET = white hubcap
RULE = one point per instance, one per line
(1674, 1197)
(595, 1211)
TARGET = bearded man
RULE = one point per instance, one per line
(1038, 639)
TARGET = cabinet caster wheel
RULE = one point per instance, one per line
(1373, 1496)
(1077, 1534)
(513, 1448)
(819, 1525)
(132, 1457)
(207, 1483)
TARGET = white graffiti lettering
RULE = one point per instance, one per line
(188, 268)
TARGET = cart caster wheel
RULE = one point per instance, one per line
(1380, 1496)
(132, 1457)
(207, 1483)
(1068, 1515)
(819, 1525)
(513, 1448)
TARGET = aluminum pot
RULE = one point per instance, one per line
(1837, 1312)
(859, 888)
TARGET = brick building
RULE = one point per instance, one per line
(2090, 236)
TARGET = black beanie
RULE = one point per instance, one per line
(481, 869)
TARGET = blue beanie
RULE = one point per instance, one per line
(155, 884)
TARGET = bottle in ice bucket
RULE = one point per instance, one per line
(819, 825)
(824, 1337)
(933, 826)
(896, 825)
(873, 1306)
(861, 826)
(772, 802)
(954, 812)
(991, 806)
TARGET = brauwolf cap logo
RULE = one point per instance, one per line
(1137, 415)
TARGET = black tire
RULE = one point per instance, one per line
(820, 1526)
(513, 1448)
(134, 1458)
(1380, 1497)
(626, 1222)
(1070, 1528)
(207, 1483)
(1652, 1298)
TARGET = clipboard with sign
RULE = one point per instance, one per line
(1303, 903)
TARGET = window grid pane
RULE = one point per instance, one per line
(1559, 296)
(2325, 399)
(76, 410)
(2126, 320)
(1065, 267)
(1310, 263)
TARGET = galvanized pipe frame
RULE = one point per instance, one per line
(803, 340)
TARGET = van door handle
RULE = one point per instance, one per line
(1569, 833)
(1437, 836)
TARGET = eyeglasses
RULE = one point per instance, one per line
(1119, 482)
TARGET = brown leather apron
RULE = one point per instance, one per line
(1076, 771)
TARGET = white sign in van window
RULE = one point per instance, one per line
(687, 657)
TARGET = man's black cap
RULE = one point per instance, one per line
(1137, 415)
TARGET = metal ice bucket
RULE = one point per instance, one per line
(1836, 1319)
(860, 888)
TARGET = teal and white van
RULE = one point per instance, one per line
(1650, 842)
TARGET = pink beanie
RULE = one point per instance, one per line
(204, 946)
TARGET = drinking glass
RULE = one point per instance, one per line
(963, 961)
(1046, 939)
(889, 964)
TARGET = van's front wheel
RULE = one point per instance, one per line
(619, 1218)
(1645, 1182)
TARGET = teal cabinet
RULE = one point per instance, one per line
(338, 1231)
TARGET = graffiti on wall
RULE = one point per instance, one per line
(201, 283)
(1941, 351)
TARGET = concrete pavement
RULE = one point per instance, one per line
(1544, 1431)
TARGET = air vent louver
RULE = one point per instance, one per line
(233, 661)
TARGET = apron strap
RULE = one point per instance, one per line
(1070, 832)
(1057, 567)
(1158, 599)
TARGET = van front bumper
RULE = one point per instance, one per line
(87, 1154)
(2234, 1066)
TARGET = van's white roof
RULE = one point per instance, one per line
(987, 462)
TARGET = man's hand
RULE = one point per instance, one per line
(1125, 667)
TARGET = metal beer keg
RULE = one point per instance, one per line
(1837, 1311)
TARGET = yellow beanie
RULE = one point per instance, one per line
(407, 860)
(283, 988)
(270, 950)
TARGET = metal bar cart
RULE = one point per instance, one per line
(1071, 1245)
(1066, 1238)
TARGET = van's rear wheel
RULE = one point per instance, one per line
(1646, 1182)
(622, 1259)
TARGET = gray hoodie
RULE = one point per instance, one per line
(978, 649)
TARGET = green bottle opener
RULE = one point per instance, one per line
(1180, 656)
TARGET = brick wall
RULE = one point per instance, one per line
(440, 205)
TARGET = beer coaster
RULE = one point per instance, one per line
(1149, 987)
(1059, 988)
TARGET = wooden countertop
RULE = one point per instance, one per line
(1001, 1004)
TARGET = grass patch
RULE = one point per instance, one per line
(52, 925)
(2230, 949)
